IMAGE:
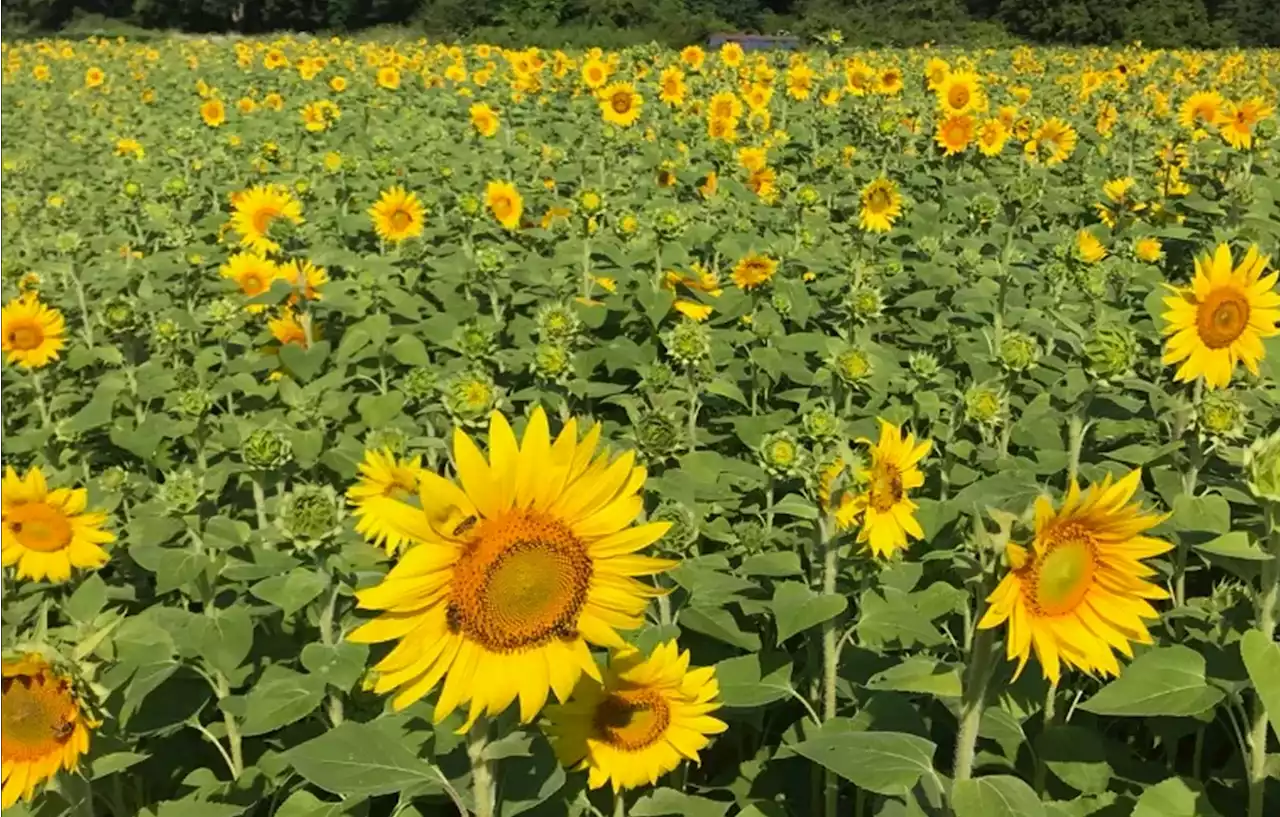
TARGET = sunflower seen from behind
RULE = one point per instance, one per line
(46, 727)
(517, 566)
(254, 211)
(397, 215)
(47, 532)
(32, 334)
(1081, 594)
(1221, 317)
(640, 721)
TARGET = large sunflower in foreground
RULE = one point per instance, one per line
(1221, 317)
(1081, 591)
(518, 565)
(45, 728)
(46, 533)
(397, 215)
(31, 334)
(888, 515)
(646, 717)
(383, 479)
(256, 209)
(881, 206)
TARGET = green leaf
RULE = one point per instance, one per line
(775, 564)
(1174, 797)
(292, 591)
(361, 760)
(1076, 756)
(888, 763)
(1262, 660)
(88, 600)
(1234, 545)
(191, 807)
(280, 697)
(753, 680)
(303, 803)
(797, 506)
(922, 675)
(228, 638)
(796, 608)
(1164, 681)
(995, 796)
(304, 364)
(114, 762)
(340, 665)
(669, 801)
(719, 624)
(410, 351)
(529, 781)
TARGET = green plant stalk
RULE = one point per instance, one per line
(619, 804)
(259, 500)
(1075, 442)
(85, 321)
(45, 419)
(830, 655)
(1268, 608)
(223, 689)
(978, 676)
(482, 778)
(1048, 718)
(694, 406)
(337, 708)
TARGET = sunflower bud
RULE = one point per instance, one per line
(821, 424)
(1018, 351)
(194, 403)
(852, 365)
(657, 377)
(781, 455)
(985, 406)
(1222, 415)
(808, 197)
(558, 323)
(390, 439)
(470, 396)
(309, 514)
(668, 225)
(684, 527)
(118, 314)
(266, 448)
(420, 383)
(469, 204)
(181, 491)
(781, 304)
(924, 366)
(476, 341)
(657, 434)
(1262, 465)
(552, 361)
(689, 342)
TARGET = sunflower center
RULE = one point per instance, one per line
(521, 582)
(958, 96)
(886, 487)
(252, 283)
(39, 527)
(1064, 574)
(632, 720)
(37, 716)
(878, 200)
(400, 220)
(1222, 317)
(25, 338)
(502, 207)
(262, 219)
(620, 102)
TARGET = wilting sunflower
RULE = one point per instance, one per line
(887, 514)
(46, 533)
(484, 119)
(505, 202)
(646, 717)
(256, 209)
(620, 104)
(519, 564)
(397, 215)
(954, 133)
(881, 206)
(32, 334)
(383, 478)
(287, 329)
(45, 727)
(1081, 591)
(253, 273)
(1201, 110)
(1221, 317)
(960, 92)
(1052, 143)
(754, 270)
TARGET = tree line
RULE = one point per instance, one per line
(613, 23)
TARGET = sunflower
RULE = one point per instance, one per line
(620, 104)
(94, 76)
(954, 133)
(693, 56)
(520, 563)
(305, 278)
(505, 202)
(1237, 120)
(286, 329)
(397, 215)
(32, 334)
(1080, 592)
(725, 105)
(671, 87)
(1091, 250)
(388, 77)
(889, 81)
(1201, 110)
(638, 723)
(992, 136)
(936, 72)
(960, 92)
(1148, 249)
(595, 73)
(45, 728)
(383, 479)
(213, 112)
(1119, 202)
(46, 533)
(1052, 143)
(881, 206)
(764, 183)
(754, 270)
(886, 512)
(253, 273)
(256, 209)
(731, 55)
(1221, 317)
(484, 119)
(320, 115)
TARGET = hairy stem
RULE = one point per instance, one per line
(1268, 608)
(830, 654)
(978, 676)
(482, 779)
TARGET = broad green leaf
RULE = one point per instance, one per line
(304, 364)
(279, 698)
(228, 638)
(1163, 681)
(1262, 660)
(1234, 545)
(995, 796)
(1174, 797)
(796, 608)
(303, 803)
(888, 763)
(919, 674)
(719, 624)
(88, 599)
(340, 665)
(797, 506)
(114, 762)
(753, 680)
(1076, 756)
(292, 591)
(361, 760)
(658, 802)
(191, 807)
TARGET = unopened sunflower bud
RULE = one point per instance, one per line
(1262, 466)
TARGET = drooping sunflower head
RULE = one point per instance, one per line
(1081, 592)
(383, 477)
(255, 210)
(305, 278)
(397, 215)
(46, 727)
(881, 205)
(1221, 317)
(48, 532)
(640, 721)
(32, 334)
(505, 202)
(513, 569)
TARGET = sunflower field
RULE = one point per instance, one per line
(403, 428)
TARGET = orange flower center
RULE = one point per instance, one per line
(886, 487)
(1222, 317)
(262, 218)
(1062, 576)
(521, 581)
(878, 200)
(401, 220)
(39, 527)
(958, 96)
(632, 720)
(620, 102)
(39, 717)
(25, 338)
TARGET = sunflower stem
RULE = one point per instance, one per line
(482, 780)
(830, 654)
(41, 405)
(1075, 442)
(619, 804)
(978, 676)
(1048, 718)
(259, 500)
(1268, 607)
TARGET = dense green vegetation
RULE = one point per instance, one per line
(1160, 23)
